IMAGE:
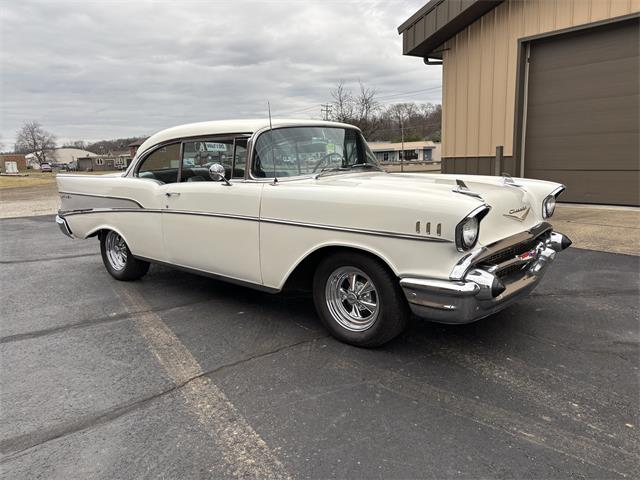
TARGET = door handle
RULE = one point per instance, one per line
(172, 194)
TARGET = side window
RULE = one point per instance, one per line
(199, 155)
(239, 157)
(162, 164)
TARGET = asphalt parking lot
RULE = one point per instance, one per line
(180, 376)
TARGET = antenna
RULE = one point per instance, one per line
(273, 158)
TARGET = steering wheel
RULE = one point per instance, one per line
(327, 159)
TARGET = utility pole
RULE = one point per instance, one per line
(402, 144)
(325, 110)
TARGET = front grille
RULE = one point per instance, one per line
(505, 272)
(509, 253)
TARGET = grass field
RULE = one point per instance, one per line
(34, 179)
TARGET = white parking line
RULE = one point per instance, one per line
(246, 453)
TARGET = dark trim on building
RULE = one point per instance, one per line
(437, 22)
(485, 165)
(520, 107)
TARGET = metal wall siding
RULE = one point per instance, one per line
(442, 15)
(486, 78)
(430, 26)
(498, 120)
(475, 65)
(476, 165)
(480, 67)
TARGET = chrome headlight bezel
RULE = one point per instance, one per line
(463, 241)
(549, 203)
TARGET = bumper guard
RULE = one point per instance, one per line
(482, 291)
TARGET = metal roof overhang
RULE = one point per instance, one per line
(438, 21)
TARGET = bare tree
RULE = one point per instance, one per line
(81, 144)
(368, 110)
(411, 121)
(342, 110)
(361, 109)
(32, 138)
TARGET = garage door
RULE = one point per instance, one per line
(582, 117)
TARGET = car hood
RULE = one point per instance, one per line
(514, 207)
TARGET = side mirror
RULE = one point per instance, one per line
(216, 172)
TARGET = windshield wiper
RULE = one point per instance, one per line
(331, 169)
(346, 169)
(366, 165)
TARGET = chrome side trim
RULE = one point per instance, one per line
(362, 231)
(83, 176)
(207, 214)
(379, 233)
(97, 195)
(88, 211)
(64, 227)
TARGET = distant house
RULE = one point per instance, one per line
(60, 157)
(97, 163)
(20, 160)
(133, 147)
(387, 152)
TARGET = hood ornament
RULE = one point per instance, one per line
(508, 181)
(462, 188)
(519, 213)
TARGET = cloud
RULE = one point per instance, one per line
(94, 70)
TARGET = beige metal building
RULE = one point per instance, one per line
(555, 83)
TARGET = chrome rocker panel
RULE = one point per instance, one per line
(480, 293)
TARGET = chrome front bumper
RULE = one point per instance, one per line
(483, 290)
(64, 226)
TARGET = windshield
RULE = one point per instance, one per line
(292, 151)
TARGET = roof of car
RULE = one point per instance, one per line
(221, 127)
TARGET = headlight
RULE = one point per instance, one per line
(549, 203)
(469, 232)
(468, 229)
(548, 206)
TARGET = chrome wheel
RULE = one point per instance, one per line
(352, 299)
(116, 250)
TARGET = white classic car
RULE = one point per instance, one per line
(291, 203)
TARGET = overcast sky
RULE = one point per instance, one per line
(104, 69)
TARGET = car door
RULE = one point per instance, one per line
(208, 225)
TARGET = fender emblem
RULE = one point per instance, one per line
(519, 213)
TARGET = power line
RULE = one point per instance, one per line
(324, 106)
(325, 110)
(399, 94)
(300, 110)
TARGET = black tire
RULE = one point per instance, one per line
(130, 268)
(391, 311)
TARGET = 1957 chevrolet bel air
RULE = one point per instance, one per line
(304, 203)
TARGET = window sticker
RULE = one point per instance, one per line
(215, 147)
